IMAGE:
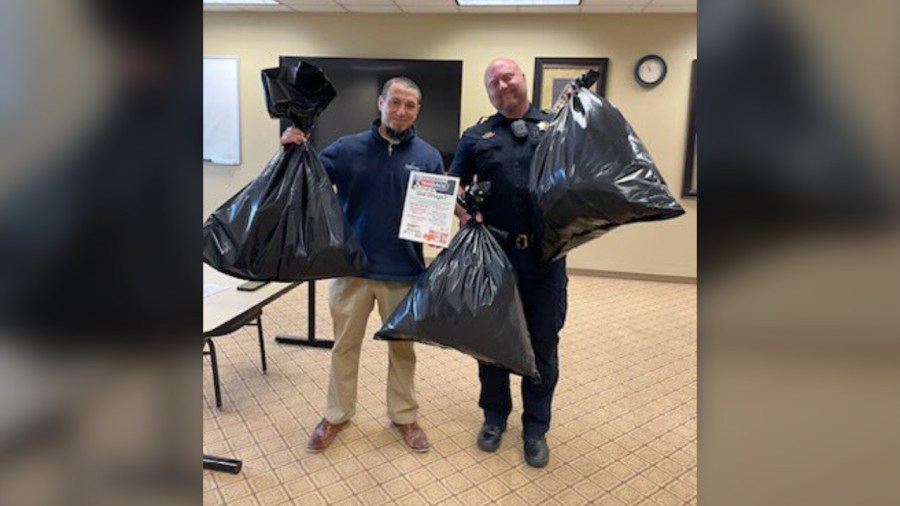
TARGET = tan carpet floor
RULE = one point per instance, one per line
(624, 425)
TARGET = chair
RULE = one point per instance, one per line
(252, 320)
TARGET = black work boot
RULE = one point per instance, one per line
(489, 437)
(537, 453)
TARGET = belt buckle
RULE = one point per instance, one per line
(522, 241)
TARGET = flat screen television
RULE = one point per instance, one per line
(358, 82)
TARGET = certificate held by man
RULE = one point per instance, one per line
(428, 209)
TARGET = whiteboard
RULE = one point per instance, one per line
(221, 114)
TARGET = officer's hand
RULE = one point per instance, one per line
(466, 217)
(293, 136)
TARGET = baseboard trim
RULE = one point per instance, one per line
(637, 276)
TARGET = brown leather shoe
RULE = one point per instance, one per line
(413, 436)
(323, 435)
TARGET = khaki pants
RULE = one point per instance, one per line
(351, 300)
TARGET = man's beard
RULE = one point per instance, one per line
(510, 104)
(397, 135)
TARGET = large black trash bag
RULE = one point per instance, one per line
(297, 92)
(286, 225)
(468, 299)
(591, 173)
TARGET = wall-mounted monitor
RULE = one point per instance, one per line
(358, 82)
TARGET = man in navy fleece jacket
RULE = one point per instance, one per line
(370, 170)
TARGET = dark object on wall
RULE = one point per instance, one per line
(689, 181)
(590, 174)
(360, 80)
(650, 71)
(468, 299)
(287, 224)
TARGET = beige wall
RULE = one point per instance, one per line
(659, 115)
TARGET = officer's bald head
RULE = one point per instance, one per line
(505, 84)
(501, 65)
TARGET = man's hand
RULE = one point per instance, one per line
(466, 217)
(293, 136)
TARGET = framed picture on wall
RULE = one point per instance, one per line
(689, 181)
(551, 75)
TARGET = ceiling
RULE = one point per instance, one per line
(450, 7)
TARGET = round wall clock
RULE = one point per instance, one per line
(650, 71)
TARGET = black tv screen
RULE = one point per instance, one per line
(358, 82)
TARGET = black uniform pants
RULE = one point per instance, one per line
(544, 293)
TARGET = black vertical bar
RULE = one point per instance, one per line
(262, 343)
(215, 372)
(311, 310)
(311, 323)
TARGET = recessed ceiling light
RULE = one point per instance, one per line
(531, 3)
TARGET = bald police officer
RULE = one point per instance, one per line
(499, 149)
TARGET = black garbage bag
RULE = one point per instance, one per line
(591, 173)
(297, 92)
(468, 299)
(287, 224)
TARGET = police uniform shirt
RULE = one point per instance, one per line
(491, 151)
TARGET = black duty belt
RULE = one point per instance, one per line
(520, 241)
